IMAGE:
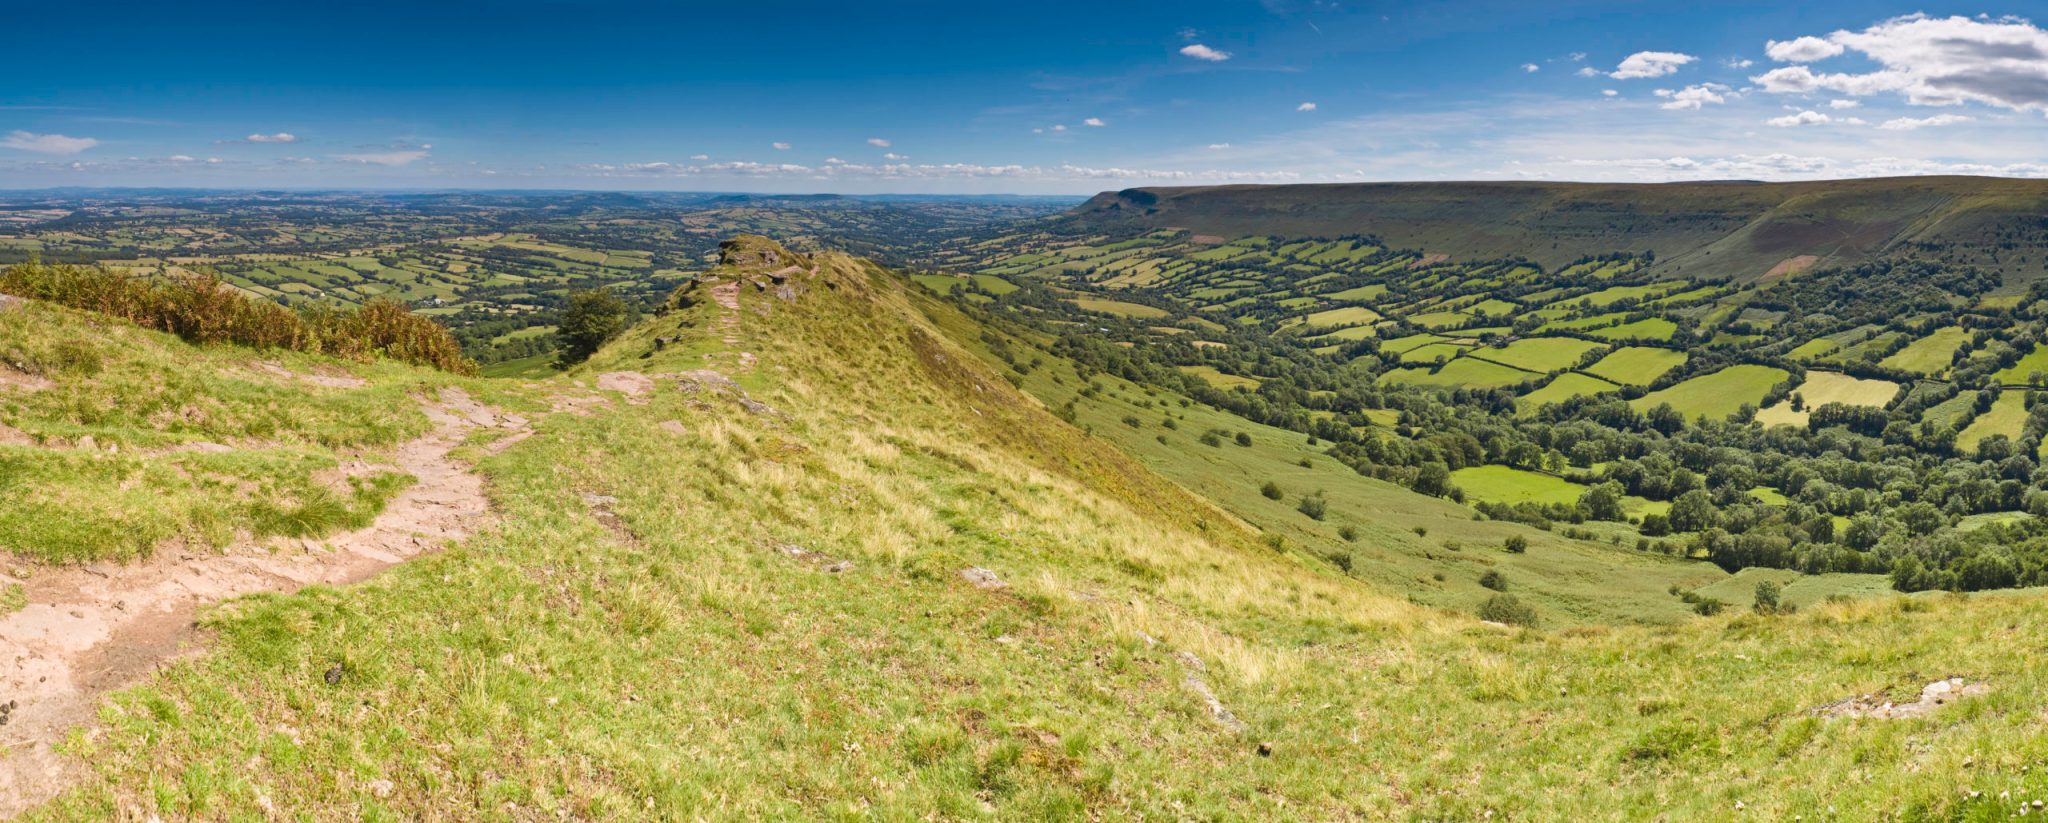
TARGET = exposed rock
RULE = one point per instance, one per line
(634, 385)
(983, 578)
(1932, 696)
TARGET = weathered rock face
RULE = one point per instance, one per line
(753, 251)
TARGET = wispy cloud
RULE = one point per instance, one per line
(878, 142)
(1305, 107)
(779, 146)
(280, 137)
(46, 143)
(1912, 123)
(394, 159)
(1202, 52)
(1094, 121)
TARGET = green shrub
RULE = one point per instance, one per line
(202, 309)
(1516, 544)
(1271, 490)
(1505, 608)
(1314, 506)
(1494, 580)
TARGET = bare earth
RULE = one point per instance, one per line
(89, 630)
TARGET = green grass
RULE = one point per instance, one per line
(142, 399)
(1716, 395)
(1361, 293)
(1824, 387)
(1814, 349)
(1649, 328)
(1345, 316)
(1462, 372)
(1564, 387)
(1504, 484)
(1932, 354)
(1120, 308)
(2007, 416)
(1637, 365)
(1539, 354)
(1220, 380)
(2020, 372)
(670, 663)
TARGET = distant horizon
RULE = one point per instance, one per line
(1011, 99)
(10, 190)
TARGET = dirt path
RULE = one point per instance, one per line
(89, 630)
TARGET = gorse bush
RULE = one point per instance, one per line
(202, 309)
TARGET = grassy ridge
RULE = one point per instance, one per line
(675, 664)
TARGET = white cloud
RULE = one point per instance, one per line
(46, 143)
(1695, 97)
(1218, 146)
(1911, 123)
(1589, 71)
(385, 158)
(1059, 127)
(1609, 93)
(1801, 49)
(1932, 61)
(700, 157)
(1094, 121)
(1305, 107)
(181, 158)
(1738, 62)
(1804, 118)
(280, 137)
(1202, 52)
(930, 171)
(833, 160)
(1576, 57)
(878, 142)
(1644, 64)
(1531, 68)
(894, 156)
(780, 146)
(1844, 104)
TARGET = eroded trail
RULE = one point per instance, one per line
(87, 630)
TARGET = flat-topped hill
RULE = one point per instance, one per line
(1738, 229)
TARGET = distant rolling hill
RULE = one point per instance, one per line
(1743, 230)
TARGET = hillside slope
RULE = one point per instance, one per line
(1741, 230)
(790, 549)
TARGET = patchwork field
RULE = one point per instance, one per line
(1539, 354)
(1637, 365)
(1120, 308)
(1716, 395)
(1464, 372)
(1565, 387)
(2022, 372)
(1505, 484)
(2007, 416)
(1932, 354)
(1824, 387)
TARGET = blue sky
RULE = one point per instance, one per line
(1045, 97)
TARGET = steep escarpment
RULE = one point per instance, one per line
(1740, 230)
